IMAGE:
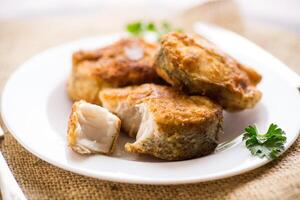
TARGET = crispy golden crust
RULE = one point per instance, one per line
(179, 145)
(111, 66)
(198, 67)
(168, 105)
(184, 126)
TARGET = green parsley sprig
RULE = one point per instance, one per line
(140, 28)
(268, 145)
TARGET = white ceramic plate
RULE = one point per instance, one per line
(35, 108)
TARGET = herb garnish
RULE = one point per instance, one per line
(139, 28)
(269, 145)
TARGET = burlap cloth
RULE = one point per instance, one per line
(20, 39)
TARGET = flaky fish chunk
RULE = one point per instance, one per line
(198, 67)
(167, 124)
(92, 129)
(128, 61)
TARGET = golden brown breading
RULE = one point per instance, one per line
(92, 129)
(195, 65)
(166, 123)
(126, 62)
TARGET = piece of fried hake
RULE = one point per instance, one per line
(128, 61)
(166, 123)
(92, 129)
(197, 66)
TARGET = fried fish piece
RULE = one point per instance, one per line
(92, 129)
(166, 123)
(126, 62)
(195, 65)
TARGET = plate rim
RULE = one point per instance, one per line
(132, 180)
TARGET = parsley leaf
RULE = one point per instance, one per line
(269, 145)
(140, 29)
(151, 27)
(135, 28)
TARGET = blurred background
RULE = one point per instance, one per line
(28, 27)
(283, 13)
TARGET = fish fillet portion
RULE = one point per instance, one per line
(128, 61)
(92, 129)
(197, 66)
(166, 123)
